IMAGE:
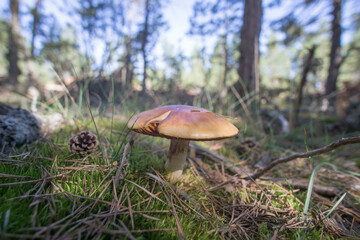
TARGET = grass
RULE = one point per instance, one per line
(87, 183)
(76, 197)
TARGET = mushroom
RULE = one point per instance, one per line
(181, 124)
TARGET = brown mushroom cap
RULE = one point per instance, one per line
(182, 122)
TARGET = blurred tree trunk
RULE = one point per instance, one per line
(335, 52)
(127, 70)
(223, 87)
(144, 43)
(249, 48)
(34, 30)
(14, 43)
(307, 67)
(31, 78)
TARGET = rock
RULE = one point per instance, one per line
(17, 128)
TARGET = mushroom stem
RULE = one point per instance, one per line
(176, 158)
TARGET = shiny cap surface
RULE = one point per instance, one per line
(182, 122)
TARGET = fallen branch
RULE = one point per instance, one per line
(338, 143)
(303, 185)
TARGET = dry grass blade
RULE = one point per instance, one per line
(31, 181)
(14, 176)
(128, 232)
(78, 211)
(145, 190)
(36, 201)
(16, 236)
(45, 196)
(125, 158)
(130, 209)
(88, 198)
(182, 193)
(100, 184)
(153, 230)
(102, 192)
(181, 234)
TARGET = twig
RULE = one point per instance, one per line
(338, 143)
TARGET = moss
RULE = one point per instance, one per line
(88, 183)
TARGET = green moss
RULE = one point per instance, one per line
(91, 183)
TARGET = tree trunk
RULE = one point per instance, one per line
(14, 42)
(223, 87)
(35, 26)
(129, 65)
(127, 68)
(306, 70)
(143, 45)
(249, 48)
(335, 53)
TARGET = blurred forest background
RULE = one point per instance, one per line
(287, 56)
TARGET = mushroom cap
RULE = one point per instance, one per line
(182, 122)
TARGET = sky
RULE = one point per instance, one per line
(176, 14)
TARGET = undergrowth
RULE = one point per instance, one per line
(47, 192)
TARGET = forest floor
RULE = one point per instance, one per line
(46, 192)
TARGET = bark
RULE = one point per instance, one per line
(335, 52)
(144, 43)
(14, 42)
(249, 48)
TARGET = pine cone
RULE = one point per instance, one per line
(83, 143)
